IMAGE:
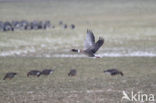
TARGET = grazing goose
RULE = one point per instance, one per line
(9, 75)
(34, 73)
(47, 71)
(114, 72)
(90, 46)
(72, 72)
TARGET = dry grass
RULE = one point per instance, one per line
(90, 85)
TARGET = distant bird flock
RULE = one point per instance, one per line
(31, 25)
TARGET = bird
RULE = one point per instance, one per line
(114, 72)
(9, 75)
(34, 73)
(72, 72)
(47, 71)
(72, 26)
(60, 22)
(65, 26)
(90, 46)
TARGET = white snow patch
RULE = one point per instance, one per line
(17, 52)
(111, 54)
(132, 54)
(114, 53)
(68, 55)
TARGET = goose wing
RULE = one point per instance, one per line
(90, 40)
(97, 45)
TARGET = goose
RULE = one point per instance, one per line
(72, 26)
(9, 75)
(47, 71)
(72, 72)
(65, 26)
(114, 72)
(34, 73)
(90, 47)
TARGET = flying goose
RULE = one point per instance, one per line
(90, 47)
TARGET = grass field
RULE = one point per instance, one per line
(90, 85)
(129, 29)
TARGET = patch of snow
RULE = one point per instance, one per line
(111, 54)
(68, 55)
(17, 52)
(107, 53)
